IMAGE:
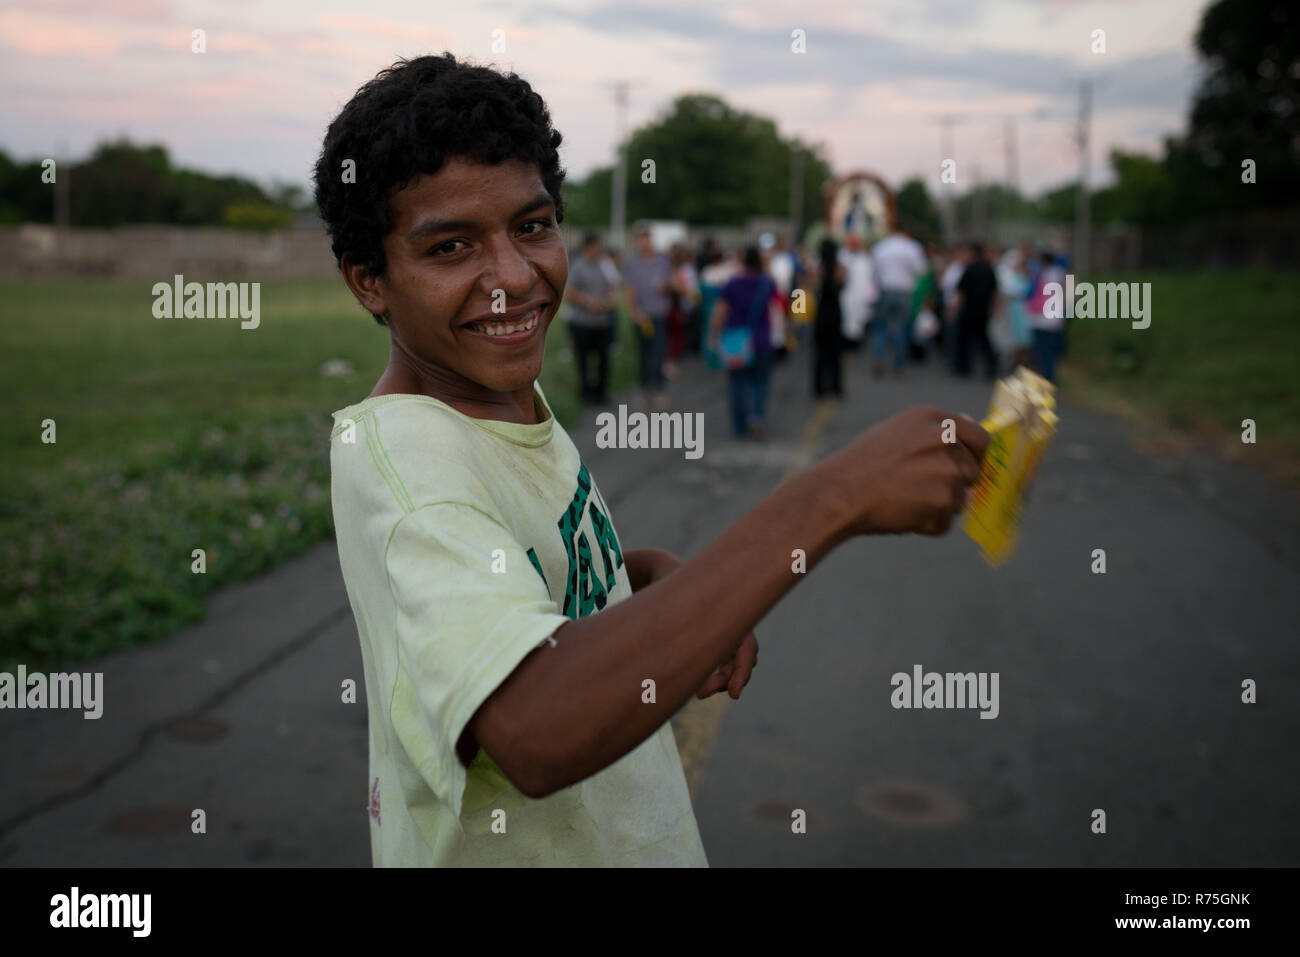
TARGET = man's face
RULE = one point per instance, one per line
(643, 244)
(476, 271)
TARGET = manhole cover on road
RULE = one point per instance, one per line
(149, 821)
(783, 812)
(773, 810)
(909, 804)
(197, 730)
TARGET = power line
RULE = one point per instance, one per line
(618, 199)
(1083, 218)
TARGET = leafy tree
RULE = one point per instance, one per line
(23, 196)
(124, 183)
(587, 202)
(713, 164)
(1248, 105)
(202, 200)
(261, 217)
(1059, 205)
(995, 201)
(1144, 192)
(918, 213)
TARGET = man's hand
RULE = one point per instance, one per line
(734, 673)
(902, 477)
(646, 566)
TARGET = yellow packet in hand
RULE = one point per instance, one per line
(1020, 423)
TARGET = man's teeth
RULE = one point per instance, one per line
(503, 328)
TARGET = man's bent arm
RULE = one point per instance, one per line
(572, 709)
(644, 565)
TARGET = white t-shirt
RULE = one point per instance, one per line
(858, 294)
(718, 274)
(465, 543)
(900, 263)
(782, 269)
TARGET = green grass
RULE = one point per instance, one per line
(1221, 347)
(172, 435)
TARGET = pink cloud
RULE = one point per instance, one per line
(327, 47)
(115, 9)
(403, 30)
(42, 35)
(219, 41)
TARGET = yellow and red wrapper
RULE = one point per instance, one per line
(1021, 422)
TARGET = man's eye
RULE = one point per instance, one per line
(542, 226)
(445, 249)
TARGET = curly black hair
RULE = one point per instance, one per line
(410, 119)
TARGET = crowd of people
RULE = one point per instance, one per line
(899, 300)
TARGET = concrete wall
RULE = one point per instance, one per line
(159, 252)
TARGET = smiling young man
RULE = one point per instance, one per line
(507, 637)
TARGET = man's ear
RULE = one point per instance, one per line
(364, 285)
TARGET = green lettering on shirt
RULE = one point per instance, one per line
(584, 592)
(532, 557)
(608, 542)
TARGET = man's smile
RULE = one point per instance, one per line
(510, 327)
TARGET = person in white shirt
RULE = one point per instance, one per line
(781, 267)
(859, 291)
(899, 264)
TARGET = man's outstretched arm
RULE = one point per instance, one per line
(570, 710)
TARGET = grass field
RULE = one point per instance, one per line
(1221, 347)
(172, 435)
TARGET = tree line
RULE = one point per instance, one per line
(714, 164)
(717, 165)
(123, 183)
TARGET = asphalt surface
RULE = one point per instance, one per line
(1119, 692)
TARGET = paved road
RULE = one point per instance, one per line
(1119, 691)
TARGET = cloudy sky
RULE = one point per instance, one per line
(875, 79)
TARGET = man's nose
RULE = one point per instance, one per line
(508, 270)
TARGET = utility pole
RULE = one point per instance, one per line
(796, 192)
(1013, 165)
(1082, 215)
(1013, 172)
(62, 198)
(62, 177)
(946, 210)
(618, 201)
